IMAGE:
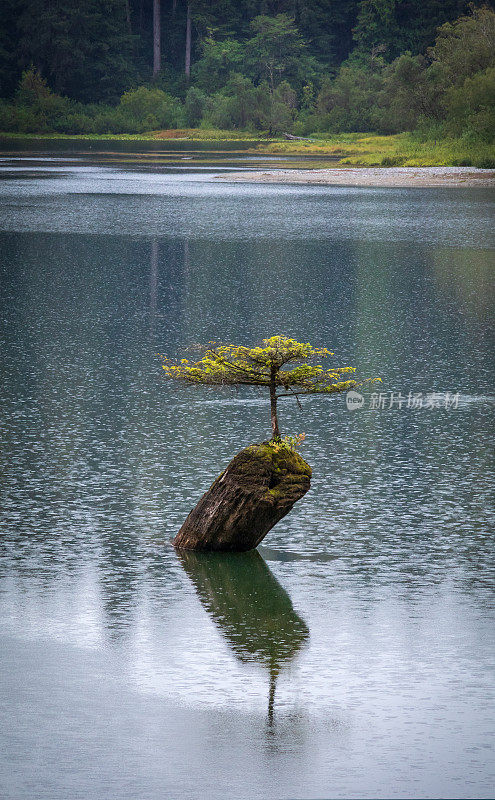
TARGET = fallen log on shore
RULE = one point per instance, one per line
(297, 138)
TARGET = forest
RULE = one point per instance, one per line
(302, 67)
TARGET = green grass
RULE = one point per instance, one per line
(402, 149)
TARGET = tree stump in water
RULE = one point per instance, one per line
(258, 488)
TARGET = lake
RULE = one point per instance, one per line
(352, 655)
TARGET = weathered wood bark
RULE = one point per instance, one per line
(156, 37)
(258, 488)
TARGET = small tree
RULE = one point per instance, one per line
(236, 365)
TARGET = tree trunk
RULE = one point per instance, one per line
(128, 17)
(188, 42)
(156, 37)
(258, 488)
(273, 405)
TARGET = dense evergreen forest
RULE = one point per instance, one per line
(296, 66)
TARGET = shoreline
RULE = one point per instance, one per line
(350, 150)
(393, 177)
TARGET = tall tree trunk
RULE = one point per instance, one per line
(273, 405)
(156, 37)
(128, 17)
(188, 42)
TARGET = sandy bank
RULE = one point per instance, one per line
(372, 176)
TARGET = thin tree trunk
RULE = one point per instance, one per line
(128, 17)
(188, 42)
(174, 7)
(156, 37)
(273, 405)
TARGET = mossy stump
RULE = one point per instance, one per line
(258, 488)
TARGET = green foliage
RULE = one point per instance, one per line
(451, 87)
(265, 366)
(485, 163)
(194, 106)
(471, 106)
(281, 109)
(114, 120)
(409, 93)
(236, 106)
(465, 46)
(392, 27)
(236, 365)
(376, 24)
(240, 104)
(82, 47)
(426, 147)
(277, 52)
(348, 102)
(218, 60)
(33, 89)
(393, 161)
(290, 443)
(37, 108)
(153, 108)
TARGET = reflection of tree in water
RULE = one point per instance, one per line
(119, 583)
(252, 610)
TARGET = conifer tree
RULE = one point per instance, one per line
(265, 366)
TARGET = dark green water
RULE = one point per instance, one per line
(353, 656)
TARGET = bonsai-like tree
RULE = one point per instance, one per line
(236, 365)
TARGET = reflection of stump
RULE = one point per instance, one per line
(258, 488)
(251, 609)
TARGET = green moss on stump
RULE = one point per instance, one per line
(281, 457)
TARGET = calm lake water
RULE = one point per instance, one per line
(353, 655)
